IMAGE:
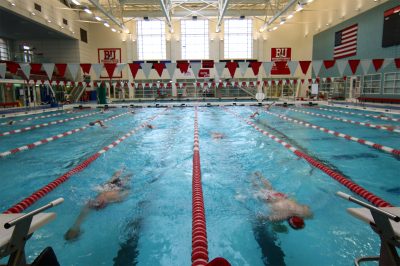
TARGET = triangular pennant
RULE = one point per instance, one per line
(12, 67)
(365, 64)
(304, 65)
(232, 67)
(247, 84)
(329, 63)
(267, 67)
(377, 63)
(134, 67)
(397, 62)
(209, 84)
(317, 64)
(293, 67)
(180, 85)
(256, 67)
(171, 67)
(110, 67)
(341, 65)
(3, 68)
(225, 83)
(183, 66)
(243, 67)
(291, 81)
(146, 67)
(354, 65)
(97, 68)
(219, 67)
(159, 67)
(269, 83)
(387, 62)
(195, 68)
(26, 69)
(35, 68)
(86, 68)
(73, 70)
(324, 80)
(302, 81)
(61, 69)
(120, 67)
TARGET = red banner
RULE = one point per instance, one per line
(204, 73)
(109, 56)
(280, 55)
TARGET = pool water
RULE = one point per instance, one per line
(152, 225)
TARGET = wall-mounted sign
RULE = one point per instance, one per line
(280, 56)
(204, 73)
(109, 56)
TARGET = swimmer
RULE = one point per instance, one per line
(149, 126)
(267, 107)
(101, 123)
(217, 135)
(114, 190)
(282, 208)
(254, 114)
(11, 122)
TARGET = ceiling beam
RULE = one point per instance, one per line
(166, 10)
(278, 14)
(184, 13)
(222, 6)
(107, 14)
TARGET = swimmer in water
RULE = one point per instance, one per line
(101, 123)
(217, 135)
(254, 114)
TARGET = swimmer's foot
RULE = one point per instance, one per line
(72, 234)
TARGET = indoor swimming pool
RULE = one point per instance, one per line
(152, 223)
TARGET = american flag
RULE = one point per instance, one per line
(346, 42)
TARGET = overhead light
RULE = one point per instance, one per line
(106, 24)
(76, 2)
(299, 7)
(98, 18)
(282, 21)
(114, 30)
(13, 4)
(290, 16)
(87, 10)
(49, 21)
(33, 14)
(127, 31)
(275, 28)
(61, 27)
(263, 28)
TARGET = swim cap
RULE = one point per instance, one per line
(296, 222)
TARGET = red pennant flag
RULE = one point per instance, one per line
(80, 83)
(134, 67)
(304, 65)
(87, 84)
(309, 81)
(35, 68)
(397, 62)
(302, 81)
(12, 67)
(61, 69)
(329, 63)
(256, 67)
(110, 67)
(86, 68)
(354, 65)
(159, 67)
(377, 63)
(232, 67)
(58, 82)
(183, 66)
(345, 77)
(95, 84)
(295, 81)
(42, 81)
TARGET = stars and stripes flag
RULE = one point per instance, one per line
(346, 42)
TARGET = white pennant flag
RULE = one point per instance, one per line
(209, 84)
(97, 68)
(224, 83)
(119, 68)
(219, 67)
(324, 80)
(48, 68)
(291, 81)
(146, 67)
(46, 82)
(171, 67)
(341, 65)
(267, 67)
(247, 84)
(243, 67)
(316, 65)
(387, 62)
(73, 70)
(136, 85)
(194, 84)
(3, 68)
(293, 67)
(365, 64)
(195, 68)
(180, 84)
(269, 83)
(26, 69)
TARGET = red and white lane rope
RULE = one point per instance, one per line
(387, 128)
(199, 231)
(27, 202)
(326, 169)
(37, 117)
(59, 136)
(44, 124)
(352, 113)
(341, 135)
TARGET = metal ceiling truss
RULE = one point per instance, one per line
(107, 13)
(222, 6)
(166, 7)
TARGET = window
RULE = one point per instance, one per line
(4, 51)
(391, 84)
(372, 84)
(38, 7)
(84, 36)
(194, 39)
(238, 38)
(151, 40)
(65, 21)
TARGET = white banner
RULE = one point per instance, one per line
(243, 67)
(267, 68)
(3, 68)
(26, 69)
(73, 70)
(97, 68)
(146, 67)
(316, 65)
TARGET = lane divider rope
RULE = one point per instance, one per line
(199, 231)
(340, 135)
(15, 131)
(27, 202)
(352, 113)
(326, 169)
(59, 136)
(37, 117)
(387, 128)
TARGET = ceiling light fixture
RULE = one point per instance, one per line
(106, 24)
(33, 14)
(98, 18)
(87, 10)
(290, 16)
(114, 30)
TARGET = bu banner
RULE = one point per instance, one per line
(204, 73)
(280, 55)
(109, 56)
